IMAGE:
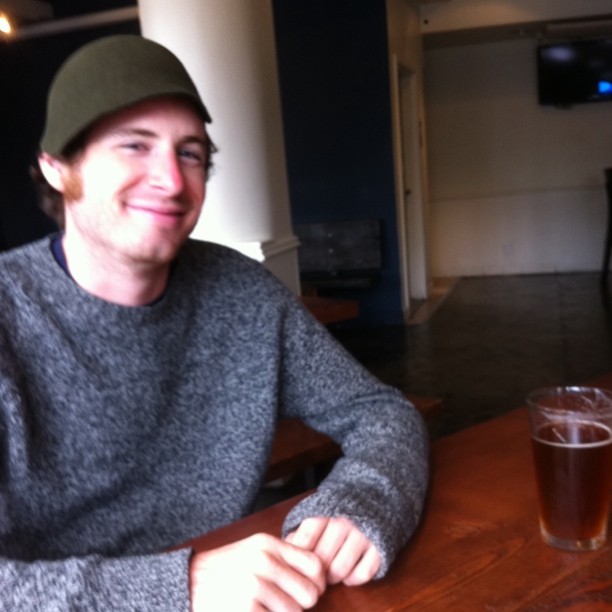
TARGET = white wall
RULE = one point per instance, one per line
(514, 187)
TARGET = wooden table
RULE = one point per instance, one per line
(478, 547)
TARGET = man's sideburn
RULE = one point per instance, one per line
(73, 185)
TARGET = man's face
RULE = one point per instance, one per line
(135, 193)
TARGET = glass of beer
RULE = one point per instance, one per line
(571, 432)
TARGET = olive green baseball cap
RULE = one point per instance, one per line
(108, 75)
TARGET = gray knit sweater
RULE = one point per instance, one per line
(127, 430)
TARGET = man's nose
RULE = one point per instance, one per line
(166, 173)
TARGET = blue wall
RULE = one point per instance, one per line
(334, 77)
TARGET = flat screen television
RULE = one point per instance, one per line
(575, 72)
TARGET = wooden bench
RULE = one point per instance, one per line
(298, 448)
(329, 310)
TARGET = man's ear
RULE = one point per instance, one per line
(53, 170)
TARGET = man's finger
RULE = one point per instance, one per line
(366, 568)
(308, 533)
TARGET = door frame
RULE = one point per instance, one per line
(408, 166)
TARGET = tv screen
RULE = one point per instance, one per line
(574, 73)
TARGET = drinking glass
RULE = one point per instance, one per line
(571, 432)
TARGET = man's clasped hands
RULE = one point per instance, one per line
(264, 572)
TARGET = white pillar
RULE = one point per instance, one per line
(228, 47)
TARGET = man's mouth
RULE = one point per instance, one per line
(158, 211)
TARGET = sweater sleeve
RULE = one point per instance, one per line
(149, 582)
(380, 482)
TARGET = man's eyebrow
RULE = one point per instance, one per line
(196, 140)
(133, 131)
(144, 132)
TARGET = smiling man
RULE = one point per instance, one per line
(142, 374)
(133, 196)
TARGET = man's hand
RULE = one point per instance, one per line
(259, 573)
(347, 555)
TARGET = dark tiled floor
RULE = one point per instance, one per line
(491, 341)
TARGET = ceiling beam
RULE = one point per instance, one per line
(26, 11)
(80, 22)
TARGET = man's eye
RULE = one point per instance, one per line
(191, 156)
(134, 146)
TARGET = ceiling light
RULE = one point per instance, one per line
(5, 24)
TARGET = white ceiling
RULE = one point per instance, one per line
(449, 22)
